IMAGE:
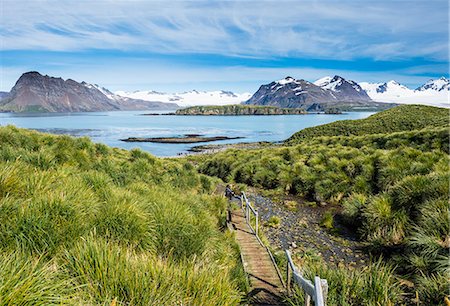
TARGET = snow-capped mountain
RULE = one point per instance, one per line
(189, 98)
(291, 92)
(103, 90)
(433, 92)
(325, 94)
(441, 84)
(389, 90)
(342, 89)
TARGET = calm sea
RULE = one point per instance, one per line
(110, 127)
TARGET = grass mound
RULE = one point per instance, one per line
(397, 119)
(82, 223)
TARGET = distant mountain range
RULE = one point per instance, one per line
(337, 92)
(189, 98)
(324, 94)
(433, 92)
(292, 93)
(34, 92)
(39, 93)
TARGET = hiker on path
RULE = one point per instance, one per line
(229, 194)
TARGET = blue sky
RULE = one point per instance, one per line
(231, 45)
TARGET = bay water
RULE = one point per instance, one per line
(110, 127)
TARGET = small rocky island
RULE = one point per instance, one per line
(238, 110)
(187, 138)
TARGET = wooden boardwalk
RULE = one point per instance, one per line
(265, 285)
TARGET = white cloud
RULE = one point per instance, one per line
(321, 29)
(329, 29)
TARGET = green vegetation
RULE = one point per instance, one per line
(237, 109)
(327, 220)
(373, 286)
(291, 205)
(274, 222)
(85, 224)
(392, 188)
(397, 119)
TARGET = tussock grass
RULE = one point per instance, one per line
(352, 208)
(26, 280)
(375, 285)
(384, 226)
(389, 173)
(111, 272)
(433, 288)
(274, 222)
(81, 223)
(327, 220)
(400, 118)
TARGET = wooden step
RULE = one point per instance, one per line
(265, 284)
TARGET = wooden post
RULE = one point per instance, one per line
(288, 278)
(248, 214)
(324, 290)
(256, 223)
(319, 293)
(307, 300)
(247, 210)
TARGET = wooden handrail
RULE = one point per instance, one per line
(248, 207)
(317, 291)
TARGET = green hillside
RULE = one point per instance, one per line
(391, 189)
(85, 224)
(397, 119)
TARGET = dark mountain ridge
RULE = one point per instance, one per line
(34, 92)
(330, 93)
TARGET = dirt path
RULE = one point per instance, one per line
(265, 285)
(299, 230)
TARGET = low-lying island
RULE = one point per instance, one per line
(187, 138)
(236, 110)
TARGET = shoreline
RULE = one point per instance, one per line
(236, 115)
(217, 148)
(185, 139)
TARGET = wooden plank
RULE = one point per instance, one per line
(264, 276)
(265, 284)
